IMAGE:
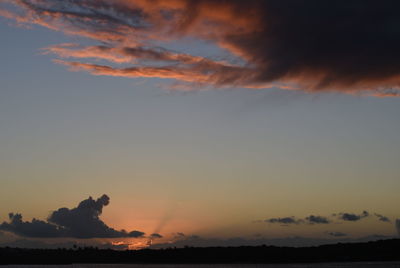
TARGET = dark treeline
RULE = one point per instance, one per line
(383, 250)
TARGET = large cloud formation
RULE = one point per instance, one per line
(316, 46)
(80, 222)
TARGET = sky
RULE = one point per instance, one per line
(198, 122)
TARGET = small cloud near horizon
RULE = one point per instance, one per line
(353, 217)
(336, 234)
(382, 218)
(284, 221)
(316, 219)
(156, 235)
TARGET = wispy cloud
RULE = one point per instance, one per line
(310, 46)
(336, 234)
(284, 220)
(382, 218)
(312, 219)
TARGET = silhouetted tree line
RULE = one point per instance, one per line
(383, 250)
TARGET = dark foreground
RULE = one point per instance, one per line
(378, 251)
(227, 265)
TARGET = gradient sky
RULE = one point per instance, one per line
(206, 162)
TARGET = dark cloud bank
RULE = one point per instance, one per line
(335, 218)
(80, 222)
(347, 46)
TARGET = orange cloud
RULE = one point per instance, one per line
(123, 54)
(198, 73)
(310, 46)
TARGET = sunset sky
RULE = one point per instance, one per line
(203, 121)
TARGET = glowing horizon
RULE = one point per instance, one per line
(203, 121)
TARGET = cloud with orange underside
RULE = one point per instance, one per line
(309, 46)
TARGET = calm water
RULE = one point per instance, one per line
(323, 265)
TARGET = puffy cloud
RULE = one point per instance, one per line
(34, 228)
(382, 218)
(353, 217)
(80, 222)
(134, 234)
(310, 45)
